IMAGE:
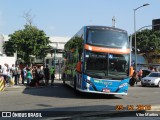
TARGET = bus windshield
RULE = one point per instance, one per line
(105, 65)
(105, 37)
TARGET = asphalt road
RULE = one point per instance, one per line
(62, 98)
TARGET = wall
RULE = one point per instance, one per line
(8, 60)
(1, 44)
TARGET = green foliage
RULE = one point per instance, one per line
(148, 41)
(74, 43)
(29, 41)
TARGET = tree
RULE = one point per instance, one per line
(148, 43)
(29, 41)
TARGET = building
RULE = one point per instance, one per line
(156, 24)
(54, 59)
(3, 58)
(1, 44)
(55, 56)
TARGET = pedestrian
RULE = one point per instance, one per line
(9, 78)
(15, 74)
(152, 69)
(52, 72)
(0, 68)
(39, 73)
(12, 71)
(46, 75)
(133, 79)
(24, 74)
(140, 73)
(155, 69)
(34, 71)
(29, 76)
(18, 74)
(4, 72)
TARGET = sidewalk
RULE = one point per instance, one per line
(21, 86)
(14, 87)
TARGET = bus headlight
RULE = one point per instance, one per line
(87, 84)
(123, 85)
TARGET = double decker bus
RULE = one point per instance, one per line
(97, 60)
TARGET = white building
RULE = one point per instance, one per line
(3, 58)
(1, 44)
(55, 59)
(58, 46)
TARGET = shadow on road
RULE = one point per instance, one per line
(61, 91)
(85, 112)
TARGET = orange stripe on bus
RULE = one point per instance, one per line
(107, 50)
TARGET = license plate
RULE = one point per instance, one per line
(106, 90)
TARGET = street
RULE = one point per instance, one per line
(62, 98)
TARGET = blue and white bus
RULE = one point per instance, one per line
(97, 60)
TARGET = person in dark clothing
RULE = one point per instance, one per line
(46, 75)
(52, 72)
(39, 74)
(133, 79)
(23, 74)
(15, 74)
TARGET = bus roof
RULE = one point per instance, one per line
(104, 27)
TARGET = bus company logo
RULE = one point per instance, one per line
(6, 114)
(107, 83)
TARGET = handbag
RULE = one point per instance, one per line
(11, 81)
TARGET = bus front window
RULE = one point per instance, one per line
(118, 63)
(103, 65)
(107, 38)
(96, 64)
